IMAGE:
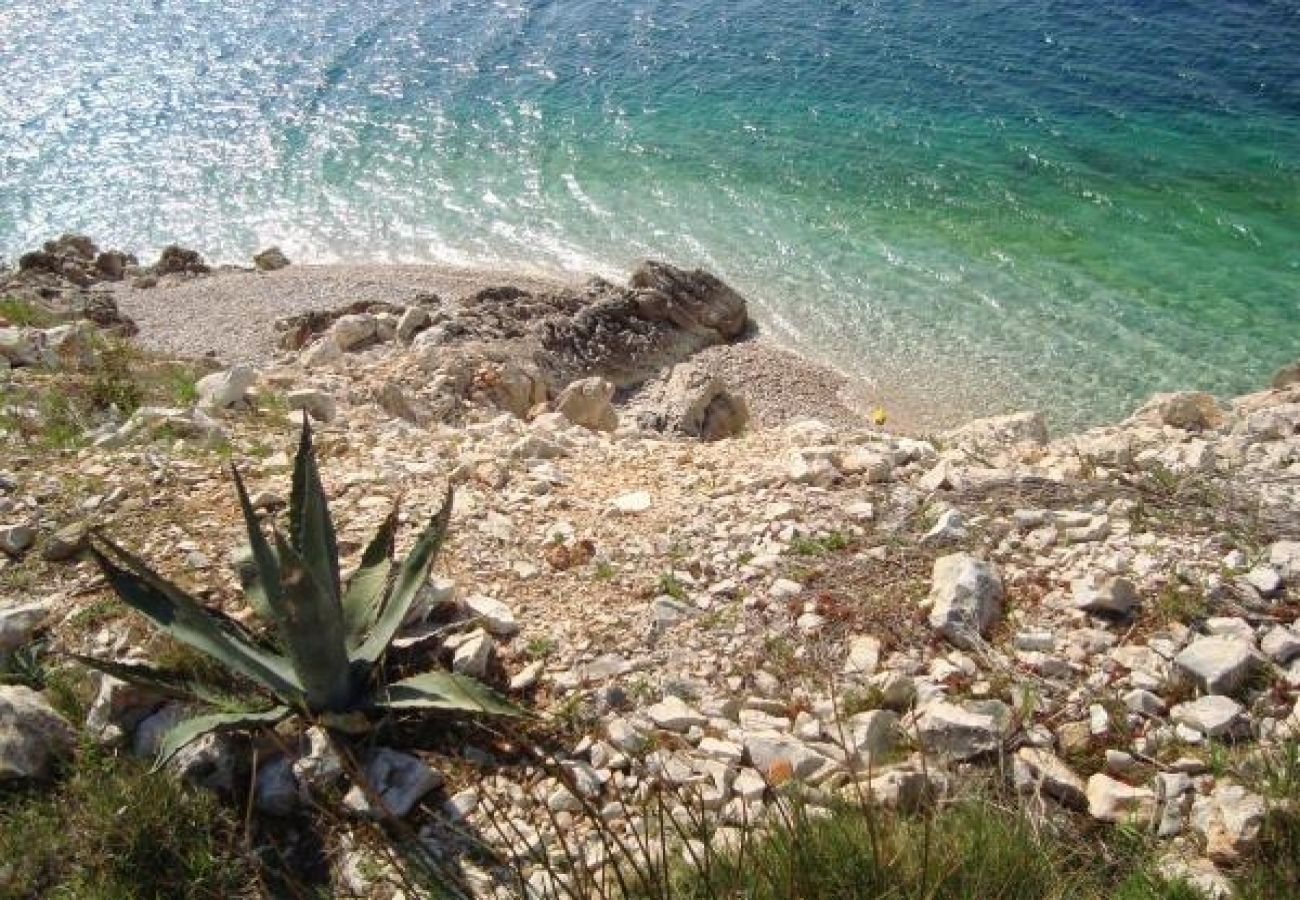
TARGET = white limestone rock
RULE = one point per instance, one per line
(1111, 800)
(1213, 715)
(33, 735)
(966, 598)
(1218, 665)
(396, 781)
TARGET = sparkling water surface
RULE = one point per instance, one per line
(978, 205)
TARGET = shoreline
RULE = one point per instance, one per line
(231, 313)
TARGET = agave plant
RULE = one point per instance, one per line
(329, 638)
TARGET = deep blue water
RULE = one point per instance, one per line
(980, 205)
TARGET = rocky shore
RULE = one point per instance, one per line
(683, 548)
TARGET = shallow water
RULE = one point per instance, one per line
(979, 205)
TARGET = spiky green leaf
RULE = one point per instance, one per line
(446, 691)
(251, 580)
(163, 683)
(411, 576)
(311, 531)
(365, 592)
(181, 617)
(312, 633)
(187, 731)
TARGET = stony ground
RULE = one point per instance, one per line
(1107, 620)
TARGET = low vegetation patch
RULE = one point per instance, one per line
(111, 831)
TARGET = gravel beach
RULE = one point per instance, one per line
(230, 316)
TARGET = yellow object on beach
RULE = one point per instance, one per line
(879, 416)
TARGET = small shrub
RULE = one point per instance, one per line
(115, 383)
(25, 314)
(672, 586)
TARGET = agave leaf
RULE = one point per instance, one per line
(250, 579)
(365, 593)
(187, 731)
(175, 613)
(312, 633)
(411, 576)
(446, 691)
(167, 684)
(311, 531)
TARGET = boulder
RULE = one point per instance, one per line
(870, 735)
(811, 466)
(495, 616)
(673, 714)
(16, 539)
(1213, 715)
(863, 656)
(211, 762)
(871, 466)
(320, 768)
(1187, 410)
(270, 259)
(396, 782)
(1218, 665)
(19, 622)
(18, 347)
(70, 244)
(1000, 431)
(965, 597)
(780, 757)
(111, 264)
(1230, 819)
(119, 706)
(950, 528)
(1110, 800)
(102, 310)
(33, 736)
(392, 399)
(317, 404)
(1286, 376)
(71, 346)
(695, 403)
(696, 302)
(632, 503)
(66, 543)
(220, 390)
(961, 733)
(353, 332)
(176, 260)
(413, 320)
(586, 402)
(473, 655)
(277, 792)
(1108, 596)
(1281, 644)
(1041, 770)
(1285, 557)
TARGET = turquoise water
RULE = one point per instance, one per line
(978, 206)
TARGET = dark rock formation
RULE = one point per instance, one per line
(177, 260)
(270, 259)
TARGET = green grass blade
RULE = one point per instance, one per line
(365, 592)
(313, 633)
(166, 684)
(187, 731)
(311, 531)
(447, 691)
(178, 615)
(411, 576)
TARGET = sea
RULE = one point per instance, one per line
(974, 206)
